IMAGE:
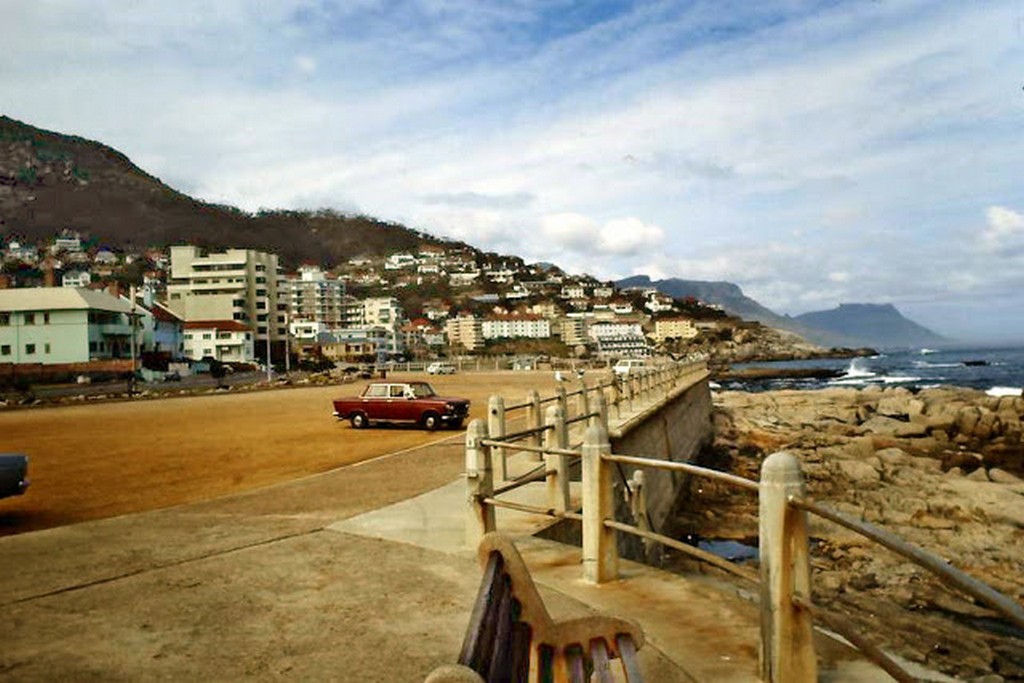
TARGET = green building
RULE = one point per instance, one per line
(64, 325)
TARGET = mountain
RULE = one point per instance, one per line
(50, 181)
(734, 302)
(850, 325)
(879, 325)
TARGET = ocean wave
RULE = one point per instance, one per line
(925, 352)
(926, 364)
(1005, 391)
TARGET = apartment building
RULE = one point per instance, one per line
(242, 285)
(465, 331)
(313, 295)
(515, 326)
(674, 328)
(384, 311)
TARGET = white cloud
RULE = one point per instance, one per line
(619, 236)
(1005, 226)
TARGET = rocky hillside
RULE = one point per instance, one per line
(50, 181)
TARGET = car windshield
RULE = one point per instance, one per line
(422, 390)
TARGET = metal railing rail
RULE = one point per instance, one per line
(933, 563)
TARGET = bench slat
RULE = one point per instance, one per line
(627, 652)
(577, 670)
(501, 658)
(522, 636)
(602, 666)
(476, 646)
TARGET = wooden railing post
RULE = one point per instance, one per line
(535, 420)
(584, 404)
(600, 554)
(496, 430)
(479, 484)
(616, 397)
(787, 645)
(602, 411)
(562, 400)
(557, 465)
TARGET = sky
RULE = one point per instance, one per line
(814, 153)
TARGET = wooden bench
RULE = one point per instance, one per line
(511, 636)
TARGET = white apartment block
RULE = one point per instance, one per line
(465, 331)
(313, 295)
(599, 330)
(515, 326)
(674, 328)
(236, 284)
(382, 312)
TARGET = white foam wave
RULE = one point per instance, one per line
(925, 352)
(1005, 391)
(900, 379)
(926, 364)
(855, 370)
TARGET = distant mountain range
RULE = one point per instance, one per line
(849, 325)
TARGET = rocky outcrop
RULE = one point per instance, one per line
(941, 468)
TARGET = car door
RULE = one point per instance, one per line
(401, 405)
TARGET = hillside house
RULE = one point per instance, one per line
(76, 278)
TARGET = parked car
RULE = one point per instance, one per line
(627, 366)
(13, 474)
(402, 403)
(440, 369)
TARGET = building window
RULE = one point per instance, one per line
(5, 318)
(207, 335)
(92, 347)
(5, 350)
(46, 347)
(30, 318)
(30, 349)
(46, 318)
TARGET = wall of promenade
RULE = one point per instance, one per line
(676, 429)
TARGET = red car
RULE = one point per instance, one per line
(402, 403)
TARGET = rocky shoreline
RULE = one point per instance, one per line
(942, 468)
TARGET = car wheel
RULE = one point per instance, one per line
(430, 421)
(359, 421)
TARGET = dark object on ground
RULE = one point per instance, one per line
(776, 373)
(975, 363)
(13, 474)
(510, 626)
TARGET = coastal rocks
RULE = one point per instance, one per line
(941, 468)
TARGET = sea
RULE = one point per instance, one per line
(996, 371)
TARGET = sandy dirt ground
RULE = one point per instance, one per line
(101, 460)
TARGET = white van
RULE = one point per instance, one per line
(628, 365)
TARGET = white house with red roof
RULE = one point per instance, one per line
(228, 341)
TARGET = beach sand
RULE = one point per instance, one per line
(97, 460)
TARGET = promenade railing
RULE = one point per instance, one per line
(787, 612)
